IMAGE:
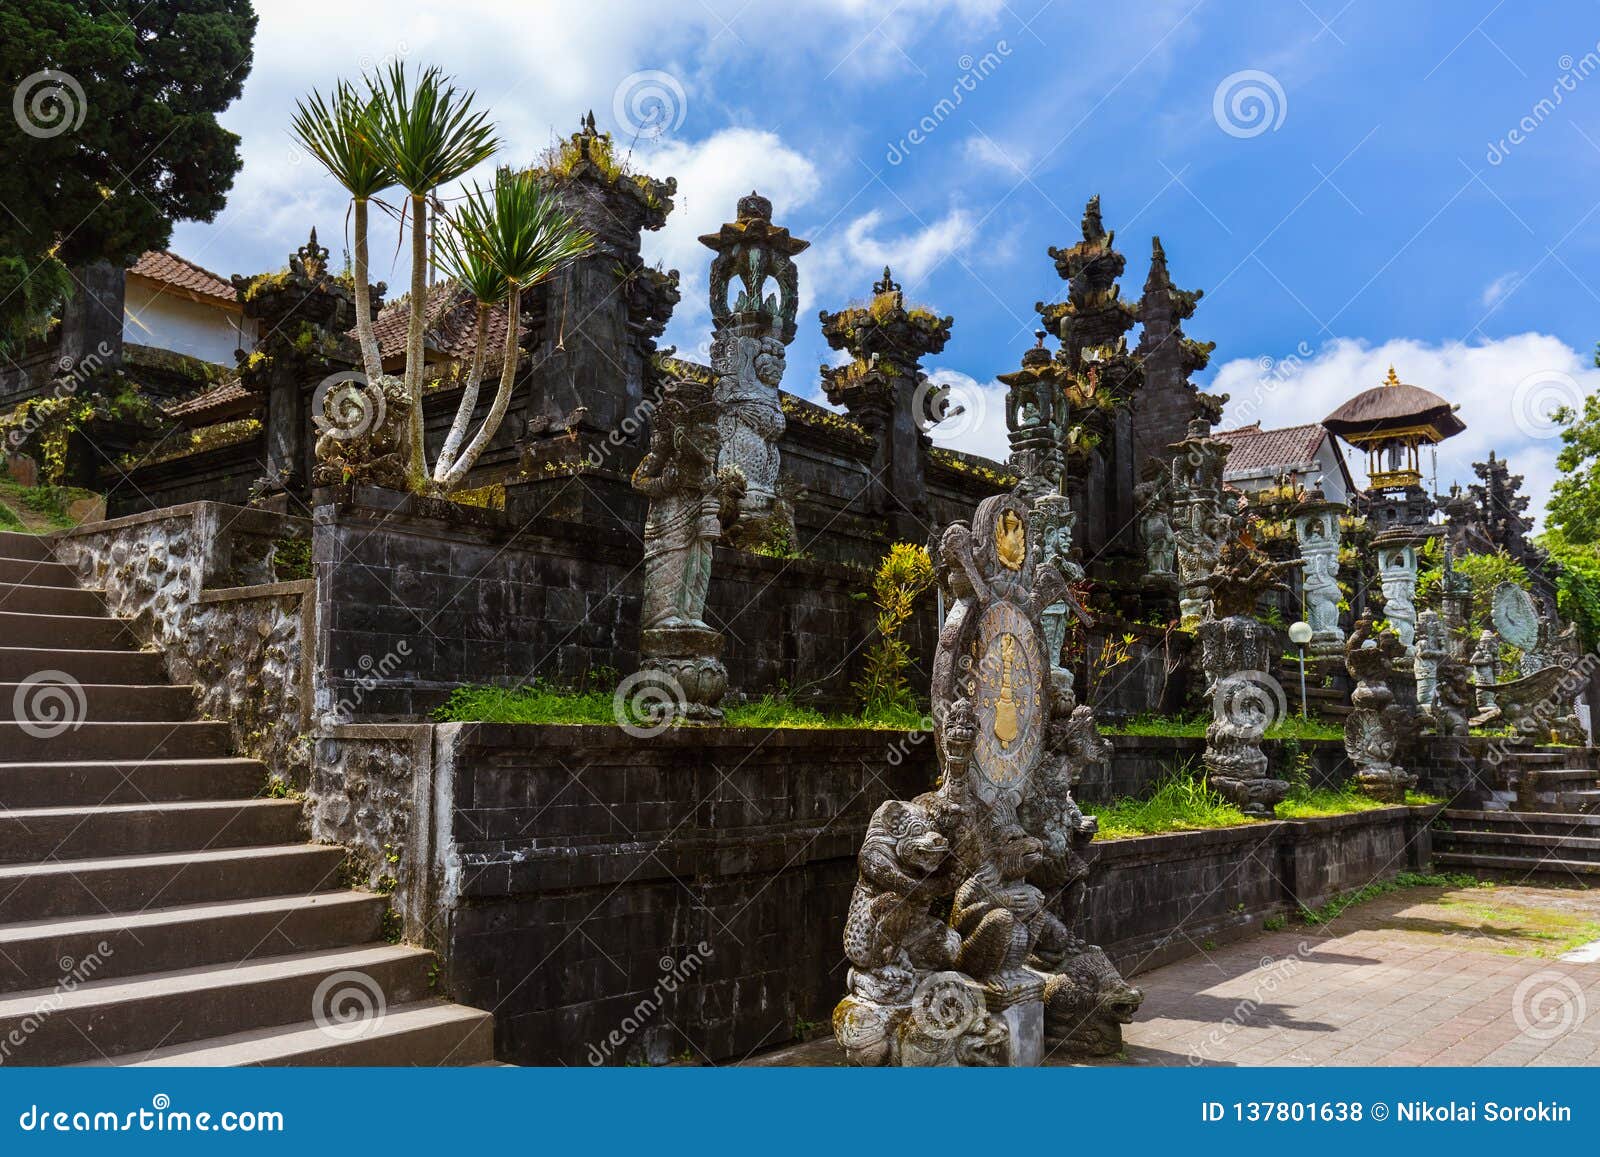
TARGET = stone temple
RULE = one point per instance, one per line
(274, 710)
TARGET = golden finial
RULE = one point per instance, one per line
(1391, 380)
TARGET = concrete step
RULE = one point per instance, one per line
(1574, 802)
(162, 939)
(1520, 844)
(1516, 867)
(62, 888)
(94, 782)
(29, 835)
(44, 742)
(34, 573)
(431, 1033)
(1532, 759)
(115, 1018)
(19, 663)
(105, 702)
(1541, 823)
(51, 600)
(71, 632)
(25, 546)
(1549, 777)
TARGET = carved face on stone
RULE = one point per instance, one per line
(770, 362)
(985, 1043)
(916, 843)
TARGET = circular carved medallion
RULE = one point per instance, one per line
(1008, 700)
(1516, 616)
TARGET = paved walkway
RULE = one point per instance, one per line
(1424, 976)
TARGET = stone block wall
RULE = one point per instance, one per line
(200, 584)
(483, 596)
(586, 868)
(619, 899)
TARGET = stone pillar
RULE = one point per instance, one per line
(1316, 527)
(1397, 571)
(747, 352)
(1237, 653)
(91, 319)
(883, 388)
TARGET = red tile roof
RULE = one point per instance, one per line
(449, 317)
(170, 269)
(218, 404)
(1286, 449)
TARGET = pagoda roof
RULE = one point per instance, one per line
(1391, 407)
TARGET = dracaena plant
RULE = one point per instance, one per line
(428, 133)
(340, 131)
(495, 246)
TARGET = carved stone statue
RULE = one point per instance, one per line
(687, 495)
(1003, 972)
(1317, 529)
(1453, 701)
(1397, 571)
(1153, 500)
(1236, 651)
(361, 432)
(1433, 644)
(1200, 517)
(747, 352)
(1485, 664)
(1375, 728)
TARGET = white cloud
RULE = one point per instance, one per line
(981, 428)
(712, 175)
(1505, 390)
(1500, 288)
(989, 153)
(852, 258)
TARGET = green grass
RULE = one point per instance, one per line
(1332, 909)
(542, 702)
(1309, 803)
(37, 509)
(1194, 727)
(1182, 802)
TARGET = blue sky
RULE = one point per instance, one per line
(1353, 218)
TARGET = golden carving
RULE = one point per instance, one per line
(1010, 541)
(1005, 707)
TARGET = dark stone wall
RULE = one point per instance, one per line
(1155, 899)
(1142, 761)
(588, 867)
(593, 865)
(482, 596)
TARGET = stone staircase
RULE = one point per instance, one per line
(1519, 845)
(155, 908)
(1539, 820)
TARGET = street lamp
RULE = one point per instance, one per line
(1300, 635)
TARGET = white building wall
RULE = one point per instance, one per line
(170, 322)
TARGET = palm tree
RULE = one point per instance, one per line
(496, 248)
(427, 135)
(341, 133)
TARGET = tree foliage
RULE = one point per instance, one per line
(1574, 508)
(118, 142)
(1484, 571)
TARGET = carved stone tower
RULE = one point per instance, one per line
(880, 389)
